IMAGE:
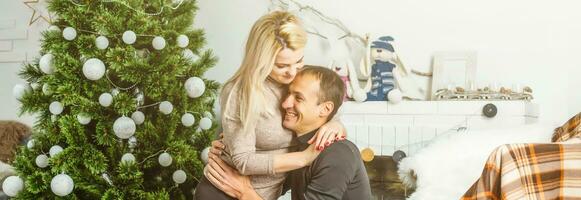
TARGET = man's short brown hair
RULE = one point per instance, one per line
(331, 87)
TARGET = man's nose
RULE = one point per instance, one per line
(287, 103)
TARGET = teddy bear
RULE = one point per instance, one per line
(12, 134)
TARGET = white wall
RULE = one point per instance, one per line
(535, 43)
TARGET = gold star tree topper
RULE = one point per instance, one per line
(39, 11)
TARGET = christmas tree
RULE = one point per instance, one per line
(123, 112)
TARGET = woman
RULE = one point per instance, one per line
(256, 144)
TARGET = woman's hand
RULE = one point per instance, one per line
(330, 132)
(310, 154)
(228, 179)
(217, 148)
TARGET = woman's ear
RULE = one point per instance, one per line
(326, 108)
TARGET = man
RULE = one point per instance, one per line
(314, 97)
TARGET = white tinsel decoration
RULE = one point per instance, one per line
(12, 186)
(62, 185)
(101, 42)
(124, 127)
(138, 117)
(84, 118)
(105, 99)
(94, 69)
(158, 43)
(183, 41)
(41, 161)
(188, 119)
(165, 159)
(205, 123)
(55, 108)
(55, 150)
(179, 176)
(165, 107)
(129, 37)
(69, 33)
(46, 63)
(195, 87)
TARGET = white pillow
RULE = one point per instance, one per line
(448, 166)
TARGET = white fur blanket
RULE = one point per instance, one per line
(446, 168)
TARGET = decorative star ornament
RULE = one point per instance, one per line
(39, 11)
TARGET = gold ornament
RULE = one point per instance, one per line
(367, 154)
(36, 14)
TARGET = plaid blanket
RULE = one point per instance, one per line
(531, 172)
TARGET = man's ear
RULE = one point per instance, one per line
(326, 108)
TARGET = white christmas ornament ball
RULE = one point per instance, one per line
(394, 96)
(138, 117)
(105, 99)
(69, 33)
(188, 54)
(19, 90)
(94, 69)
(55, 108)
(129, 37)
(205, 154)
(54, 28)
(124, 127)
(101, 42)
(359, 95)
(188, 119)
(165, 159)
(55, 150)
(165, 107)
(46, 63)
(30, 144)
(179, 176)
(195, 87)
(205, 123)
(12, 186)
(46, 89)
(128, 157)
(84, 118)
(62, 185)
(158, 43)
(183, 41)
(41, 161)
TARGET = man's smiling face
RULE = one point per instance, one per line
(301, 106)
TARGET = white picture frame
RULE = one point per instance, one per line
(453, 69)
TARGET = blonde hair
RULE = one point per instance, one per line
(269, 35)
